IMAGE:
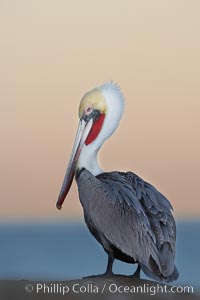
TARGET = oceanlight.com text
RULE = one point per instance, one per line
(112, 288)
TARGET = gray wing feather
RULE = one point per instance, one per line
(134, 217)
(158, 210)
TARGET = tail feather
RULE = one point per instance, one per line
(155, 273)
(174, 276)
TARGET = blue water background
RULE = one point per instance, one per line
(59, 251)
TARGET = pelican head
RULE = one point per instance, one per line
(100, 111)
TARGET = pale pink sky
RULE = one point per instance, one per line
(52, 52)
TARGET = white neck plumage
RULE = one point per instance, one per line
(88, 160)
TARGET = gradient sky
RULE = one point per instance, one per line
(52, 52)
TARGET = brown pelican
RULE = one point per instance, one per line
(129, 217)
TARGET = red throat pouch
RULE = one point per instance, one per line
(96, 128)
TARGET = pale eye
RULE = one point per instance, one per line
(88, 110)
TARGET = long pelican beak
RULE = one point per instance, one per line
(81, 136)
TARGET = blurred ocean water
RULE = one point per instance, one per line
(59, 251)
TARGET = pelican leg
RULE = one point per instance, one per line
(108, 269)
(109, 265)
(136, 274)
